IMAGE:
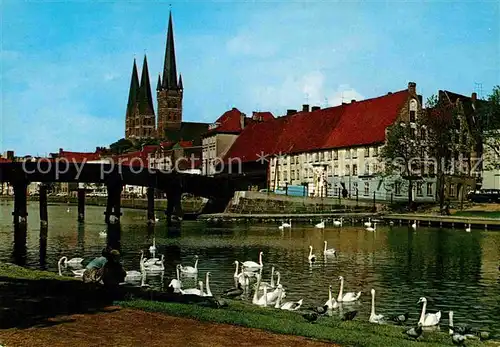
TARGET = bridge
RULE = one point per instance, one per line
(218, 190)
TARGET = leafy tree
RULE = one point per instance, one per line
(121, 146)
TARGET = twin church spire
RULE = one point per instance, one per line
(140, 120)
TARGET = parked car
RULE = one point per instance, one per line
(484, 195)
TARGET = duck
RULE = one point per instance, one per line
(347, 297)
(288, 306)
(67, 210)
(71, 262)
(252, 264)
(369, 223)
(338, 223)
(311, 317)
(233, 292)
(285, 225)
(375, 318)
(349, 315)
(176, 283)
(468, 228)
(414, 332)
(372, 229)
(190, 270)
(320, 225)
(331, 303)
(329, 251)
(401, 318)
(429, 319)
(311, 257)
(194, 291)
(458, 339)
(414, 225)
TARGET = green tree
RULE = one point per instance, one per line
(121, 146)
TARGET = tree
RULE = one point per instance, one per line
(488, 130)
(401, 153)
(121, 146)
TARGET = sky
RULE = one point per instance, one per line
(66, 65)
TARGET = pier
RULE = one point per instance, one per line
(427, 220)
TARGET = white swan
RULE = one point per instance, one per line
(429, 319)
(252, 264)
(414, 225)
(372, 229)
(338, 223)
(78, 273)
(347, 297)
(320, 225)
(190, 270)
(279, 292)
(311, 257)
(375, 318)
(268, 285)
(290, 305)
(285, 225)
(67, 210)
(59, 265)
(152, 248)
(330, 251)
(262, 301)
(331, 302)
(71, 262)
(468, 228)
(157, 266)
(134, 275)
(176, 283)
(207, 285)
(151, 261)
(103, 233)
(243, 280)
(369, 223)
(194, 291)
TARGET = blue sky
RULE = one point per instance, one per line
(66, 65)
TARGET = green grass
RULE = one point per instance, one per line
(480, 214)
(353, 333)
(17, 272)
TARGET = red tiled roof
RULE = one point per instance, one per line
(359, 123)
(229, 122)
(185, 144)
(137, 158)
(79, 156)
(262, 116)
(3, 160)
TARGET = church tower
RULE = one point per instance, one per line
(169, 90)
(132, 109)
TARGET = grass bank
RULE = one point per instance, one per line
(332, 329)
(12, 271)
(479, 214)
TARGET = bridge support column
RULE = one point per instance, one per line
(44, 218)
(43, 245)
(20, 249)
(113, 212)
(81, 202)
(20, 214)
(151, 205)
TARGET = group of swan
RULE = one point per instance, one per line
(196, 291)
(285, 225)
(326, 252)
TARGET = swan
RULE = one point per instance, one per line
(459, 329)
(330, 251)
(103, 233)
(290, 305)
(67, 210)
(331, 303)
(375, 318)
(311, 257)
(194, 291)
(151, 261)
(372, 229)
(190, 270)
(428, 319)
(262, 301)
(72, 261)
(78, 273)
(152, 248)
(468, 228)
(279, 292)
(268, 285)
(414, 225)
(207, 284)
(157, 266)
(286, 225)
(134, 275)
(176, 283)
(338, 223)
(252, 264)
(369, 223)
(59, 265)
(320, 225)
(347, 297)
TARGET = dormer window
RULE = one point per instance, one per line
(413, 110)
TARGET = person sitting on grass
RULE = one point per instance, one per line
(93, 270)
(113, 273)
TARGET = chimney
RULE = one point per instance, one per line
(390, 93)
(289, 112)
(305, 108)
(412, 87)
(242, 121)
(353, 101)
(474, 97)
(315, 108)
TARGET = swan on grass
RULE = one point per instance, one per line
(429, 319)
(190, 270)
(252, 264)
(338, 223)
(290, 305)
(369, 223)
(320, 225)
(311, 257)
(375, 318)
(78, 273)
(285, 225)
(72, 261)
(328, 251)
(176, 283)
(194, 291)
(347, 297)
(331, 303)
(372, 229)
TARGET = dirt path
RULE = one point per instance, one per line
(126, 327)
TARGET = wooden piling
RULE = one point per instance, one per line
(44, 218)
(151, 205)
(81, 203)
(20, 214)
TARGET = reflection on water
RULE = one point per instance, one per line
(453, 269)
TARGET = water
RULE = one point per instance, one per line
(455, 270)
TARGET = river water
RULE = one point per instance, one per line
(453, 269)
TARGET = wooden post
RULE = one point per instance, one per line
(43, 205)
(374, 207)
(357, 196)
(20, 249)
(151, 205)
(81, 202)
(43, 245)
(114, 185)
(392, 198)
(20, 214)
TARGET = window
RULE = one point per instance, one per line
(419, 189)
(315, 157)
(354, 170)
(327, 155)
(423, 134)
(292, 175)
(347, 170)
(321, 156)
(367, 152)
(347, 154)
(367, 188)
(397, 188)
(367, 169)
(354, 153)
(329, 170)
(429, 189)
(375, 151)
(336, 170)
(412, 117)
(452, 190)
(335, 154)
(413, 110)
(355, 185)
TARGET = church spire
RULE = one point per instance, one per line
(169, 68)
(145, 98)
(180, 83)
(133, 92)
(158, 85)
